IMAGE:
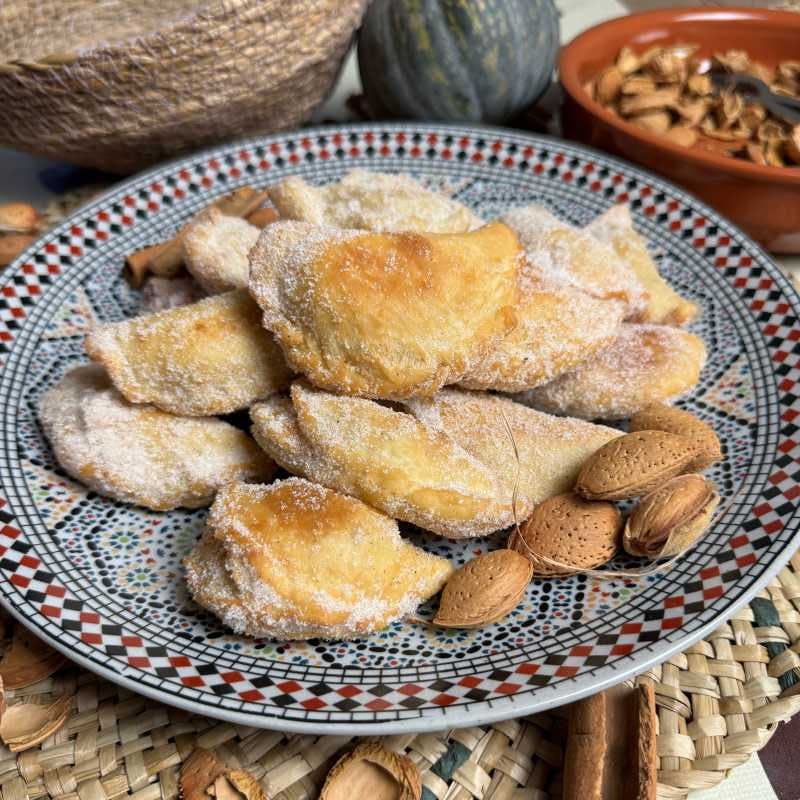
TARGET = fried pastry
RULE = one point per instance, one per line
(372, 201)
(210, 357)
(557, 329)
(215, 248)
(295, 560)
(664, 305)
(645, 364)
(446, 464)
(138, 454)
(385, 315)
(562, 254)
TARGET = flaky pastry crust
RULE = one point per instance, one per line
(138, 454)
(446, 464)
(386, 316)
(294, 560)
(645, 364)
(372, 201)
(562, 254)
(209, 357)
(215, 248)
(664, 305)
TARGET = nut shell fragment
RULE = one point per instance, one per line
(671, 519)
(28, 660)
(484, 590)
(25, 725)
(372, 771)
(198, 772)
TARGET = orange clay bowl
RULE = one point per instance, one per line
(763, 201)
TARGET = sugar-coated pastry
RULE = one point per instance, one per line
(294, 560)
(644, 364)
(209, 357)
(138, 454)
(372, 201)
(664, 305)
(558, 328)
(562, 254)
(386, 316)
(215, 248)
(445, 464)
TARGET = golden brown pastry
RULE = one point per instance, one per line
(645, 364)
(215, 248)
(210, 357)
(558, 328)
(295, 560)
(664, 305)
(445, 464)
(384, 315)
(372, 201)
(562, 254)
(138, 454)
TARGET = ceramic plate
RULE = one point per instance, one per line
(102, 581)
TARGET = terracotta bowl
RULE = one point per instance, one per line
(764, 201)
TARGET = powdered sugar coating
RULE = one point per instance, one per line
(372, 201)
(386, 316)
(557, 329)
(215, 250)
(210, 357)
(447, 466)
(559, 254)
(294, 560)
(138, 454)
(664, 305)
(644, 364)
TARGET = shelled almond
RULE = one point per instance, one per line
(667, 90)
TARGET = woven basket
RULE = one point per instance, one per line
(718, 703)
(120, 84)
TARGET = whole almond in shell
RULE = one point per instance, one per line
(671, 519)
(484, 590)
(634, 464)
(569, 530)
(372, 771)
(661, 417)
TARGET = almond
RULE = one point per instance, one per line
(484, 590)
(28, 660)
(670, 519)
(634, 464)
(570, 530)
(661, 417)
(18, 218)
(27, 724)
(12, 244)
(372, 771)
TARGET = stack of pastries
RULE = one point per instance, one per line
(401, 358)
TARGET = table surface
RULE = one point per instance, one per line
(768, 777)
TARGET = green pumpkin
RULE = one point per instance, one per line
(456, 60)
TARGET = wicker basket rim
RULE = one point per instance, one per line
(181, 24)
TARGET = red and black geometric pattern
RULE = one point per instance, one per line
(758, 525)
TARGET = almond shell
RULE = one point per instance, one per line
(484, 590)
(634, 464)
